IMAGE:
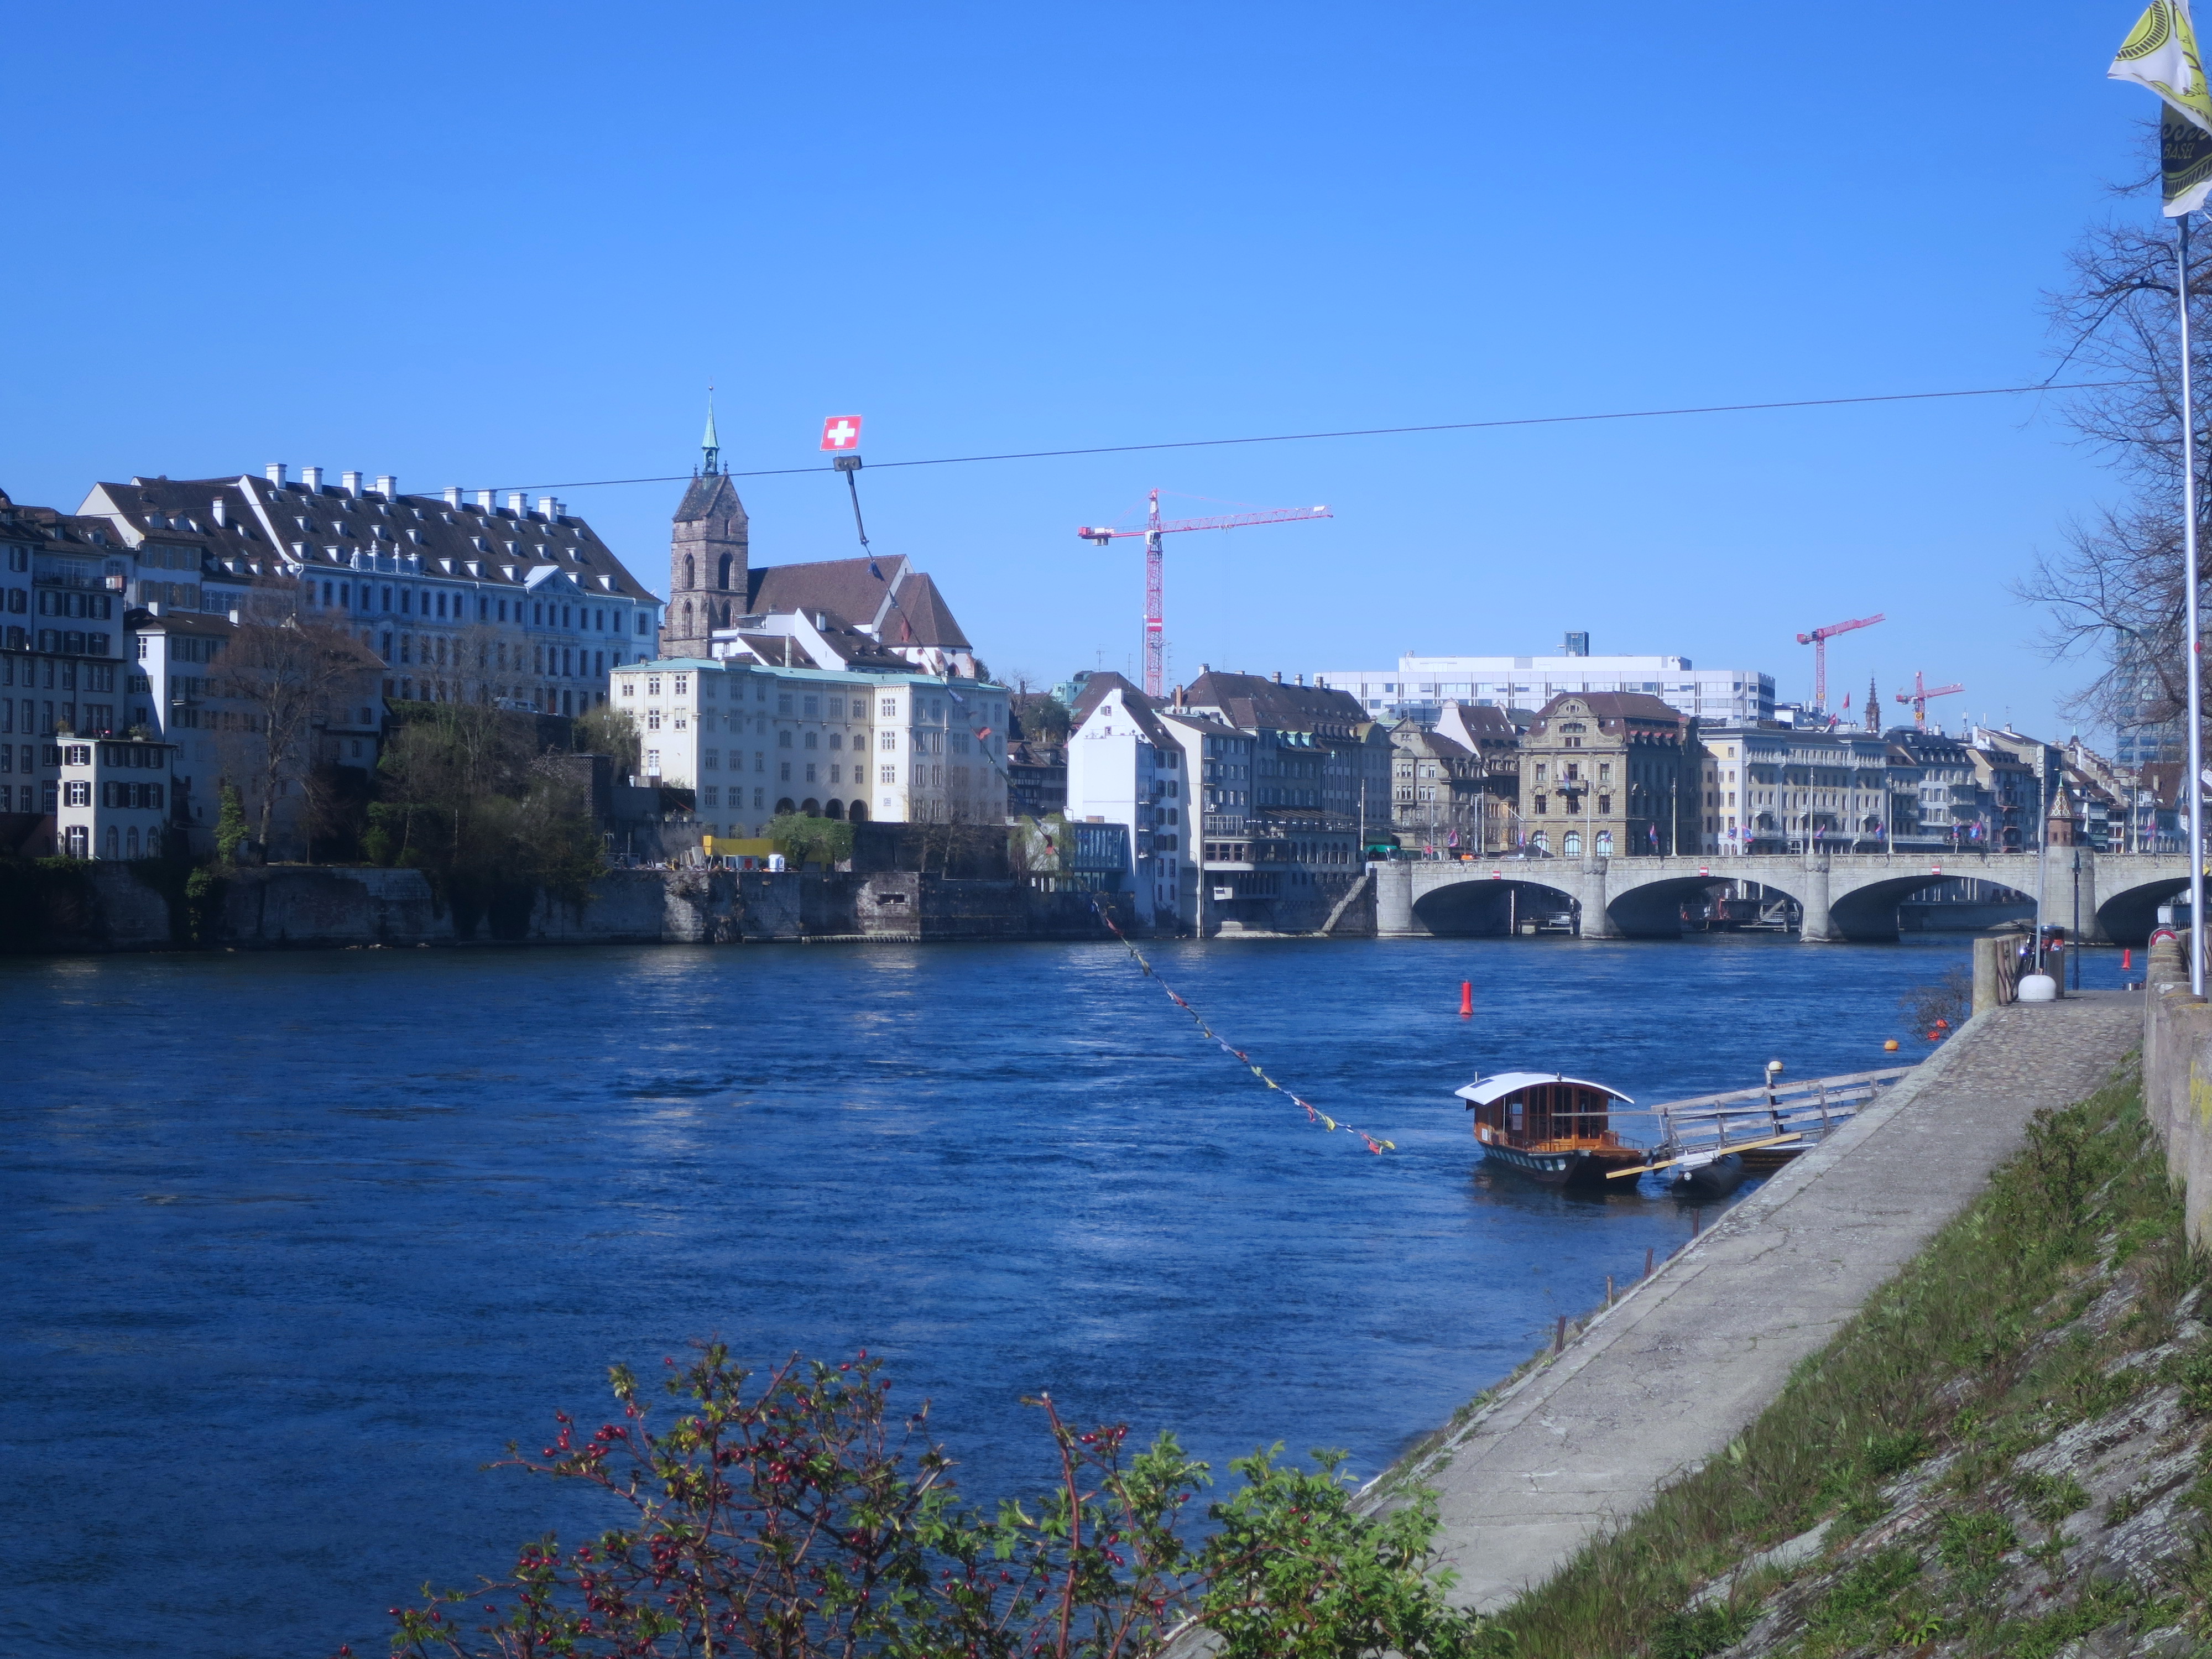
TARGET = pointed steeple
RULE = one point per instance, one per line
(710, 446)
(1873, 707)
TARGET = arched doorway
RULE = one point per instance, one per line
(811, 807)
(835, 811)
(784, 807)
(858, 814)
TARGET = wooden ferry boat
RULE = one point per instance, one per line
(1552, 1128)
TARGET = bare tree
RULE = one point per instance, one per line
(2116, 594)
(288, 677)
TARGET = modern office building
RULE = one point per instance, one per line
(1420, 687)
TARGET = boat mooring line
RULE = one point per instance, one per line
(1314, 1114)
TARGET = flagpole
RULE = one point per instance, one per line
(2193, 661)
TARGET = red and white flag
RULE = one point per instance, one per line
(841, 432)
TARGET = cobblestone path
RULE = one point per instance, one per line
(1678, 1367)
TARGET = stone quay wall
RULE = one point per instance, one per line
(286, 906)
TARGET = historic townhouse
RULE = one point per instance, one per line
(1610, 774)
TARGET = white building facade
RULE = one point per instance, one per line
(753, 741)
(1127, 764)
(115, 800)
(1420, 687)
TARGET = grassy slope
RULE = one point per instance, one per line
(1925, 1403)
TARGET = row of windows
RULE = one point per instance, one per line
(143, 796)
(73, 603)
(47, 715)
(340, 596)
(62, 675)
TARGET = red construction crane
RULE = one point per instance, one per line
(1919, 694)
(1818, 639)
(1152, 529)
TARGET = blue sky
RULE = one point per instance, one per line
(497, 244)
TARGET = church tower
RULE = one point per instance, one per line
(707, 554)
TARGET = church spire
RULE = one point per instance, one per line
(710, 446)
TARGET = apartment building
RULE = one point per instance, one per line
(114, 799)
(1778, 788)
(1420, 687)
(460, 600)
(754, 740)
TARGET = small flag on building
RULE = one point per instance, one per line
(2160, 53)
(841, 432)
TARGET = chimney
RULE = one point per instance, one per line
(1278, 677)
(388, 486)
(549, 508)
(311, 480)
(485, 499)
(516, 503)
(452, 495)
(215, 512)
(275, 473)
(352, 483)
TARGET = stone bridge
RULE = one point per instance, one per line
(1843, 897)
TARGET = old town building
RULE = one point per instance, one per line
(1609, 775)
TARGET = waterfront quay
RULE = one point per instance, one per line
(273, 1316)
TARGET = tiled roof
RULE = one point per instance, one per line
(1256, 702)
(1619, 706)
(322, 529)
(710, 495)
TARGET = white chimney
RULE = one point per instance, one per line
(452, 495)
(216, 513)
(352, 483)
(388, 486)
(549, 508)
(516, 503)
(311, 480)
(484, 500)
(275, 471)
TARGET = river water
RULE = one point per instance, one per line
(294, 1244)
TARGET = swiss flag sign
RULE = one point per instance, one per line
(841, 432)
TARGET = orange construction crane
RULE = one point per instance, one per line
(1919, 694)
(1152, 529)
(1818, 639)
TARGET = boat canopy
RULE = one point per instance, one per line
(1485, 1090)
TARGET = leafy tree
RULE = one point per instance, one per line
(811, 840)
(230, 830)
(610, 730)
(804, 1521)
(467, 800)
(1044, 719)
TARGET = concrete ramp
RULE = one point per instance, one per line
(1676, 1369)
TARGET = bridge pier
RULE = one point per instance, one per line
(2058, 895)
(1597, 919)
(1394, 900)
(1815, 926)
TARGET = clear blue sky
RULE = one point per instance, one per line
(495, 244)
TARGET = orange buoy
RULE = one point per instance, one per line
(1890, 1047)
(1466, 998)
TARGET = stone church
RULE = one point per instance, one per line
(870, 613)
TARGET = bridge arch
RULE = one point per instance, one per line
(1652, 908)
(1486, 907)
(2127, 916)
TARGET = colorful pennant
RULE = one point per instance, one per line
(1314, 1114)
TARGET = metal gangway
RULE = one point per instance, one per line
(1779, 1119)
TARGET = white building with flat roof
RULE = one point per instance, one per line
(1420, 687)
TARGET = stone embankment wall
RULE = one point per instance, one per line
(2177, 1062)
(296, 906)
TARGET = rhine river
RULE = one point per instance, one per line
(295, 1243)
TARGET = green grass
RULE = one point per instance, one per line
(1939, 1362)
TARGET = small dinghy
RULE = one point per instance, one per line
(1706, 1175)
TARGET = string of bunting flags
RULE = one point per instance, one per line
(1314, 1114)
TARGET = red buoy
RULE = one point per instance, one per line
(2127, 959)
(1466, 998)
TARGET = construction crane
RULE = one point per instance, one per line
(1919, 694)
(1818, 639)
(1152, 529)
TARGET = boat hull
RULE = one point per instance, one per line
(1560, 1169)
(1715, 1180)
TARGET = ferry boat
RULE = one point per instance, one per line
(1551, 1127)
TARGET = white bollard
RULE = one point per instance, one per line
(2037, 988)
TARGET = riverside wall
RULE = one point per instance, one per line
(116, 907)
(2177, 1064)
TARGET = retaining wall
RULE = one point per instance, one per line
(2177, 1062)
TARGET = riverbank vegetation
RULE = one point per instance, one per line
(805, 1518)
(2002, 1453)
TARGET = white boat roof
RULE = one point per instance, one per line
(1484, 1089)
